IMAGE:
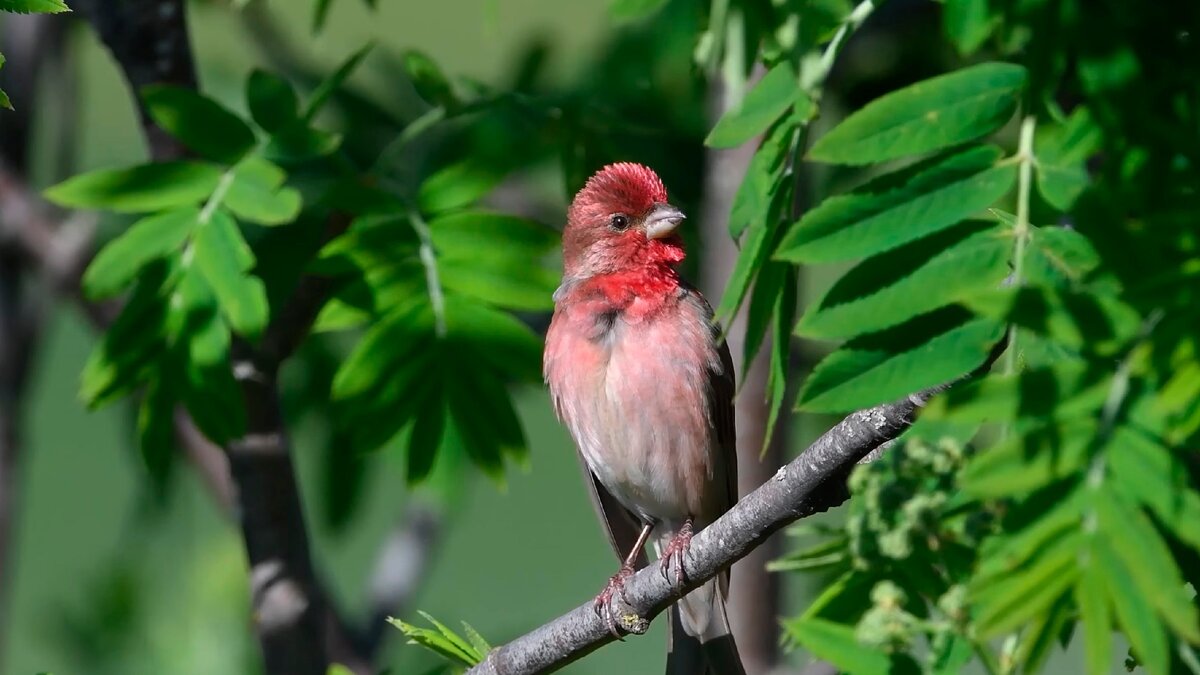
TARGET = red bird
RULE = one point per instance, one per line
(643, 381)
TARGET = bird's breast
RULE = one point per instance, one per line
(632, 388)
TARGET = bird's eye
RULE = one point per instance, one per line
(619, 221)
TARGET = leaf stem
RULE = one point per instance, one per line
(1022, 227)
(217, 196)
(812, 78)
(429, 261)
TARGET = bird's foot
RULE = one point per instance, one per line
(603, 606)
(675, 550)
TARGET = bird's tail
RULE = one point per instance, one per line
(701, 642)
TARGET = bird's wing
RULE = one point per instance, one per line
(722, 385)
(621, 526)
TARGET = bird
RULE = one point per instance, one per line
(642, 379)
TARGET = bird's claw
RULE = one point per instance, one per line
(603, 605)
(676, 549)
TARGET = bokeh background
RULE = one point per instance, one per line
(108, 577)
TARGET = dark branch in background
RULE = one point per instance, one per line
(798, 489)
(149, 40)
(400, 568)
(31, 42)
(754, 594)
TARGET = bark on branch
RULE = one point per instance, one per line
(795, 491)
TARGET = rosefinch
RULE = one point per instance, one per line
(642, 379)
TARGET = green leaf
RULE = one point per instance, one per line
(296, 142)
(784, 317)
(4, 102)
(441, 641)
(1058, 256)
(926, 116)
(147, 187)
(1146, 471)
(320, 13)
(756, 248)
(835, 643)
(458, 235)
(1132, 608)
(379, 387)
(1015, 547)
(147, 240)
(156, 431)
(1092, 598)
(770, 98)
(426, 437)
(1061, 151)
(752, 203)
(130, 348)
(481, 645)
(1149, 562)
(484, 419)
(389, 342)
(1039, 639)
(916, 278)
(504, 283)
(1061, 391)
(212, 396)
(968, 23)
(34, 6)
(456, 186)
(899, 208)
(429, 81)
(221, 255)
(1090, 321)
(272, 101)
(882, 367)
(1026, 462)
(498, 338)
(200, 123)
(634, 9)
(255, 194)
(1005, 603)
(327, 87)
(764, 298)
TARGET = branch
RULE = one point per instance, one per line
(149, 41)
(793, 493)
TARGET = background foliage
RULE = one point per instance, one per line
(1024, 181)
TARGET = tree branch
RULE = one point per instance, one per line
(792, 493)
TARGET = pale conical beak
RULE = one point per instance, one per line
(662, 221)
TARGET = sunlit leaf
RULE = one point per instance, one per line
(149, 239)
(221, 255)
(255, 194)
(882, 367)
(147, 187)
(770, 98)
(899, 208)
(1025, 462)
(919, 277)
(926, 116)
(1132, 608)
(836, 644)
(34, 6)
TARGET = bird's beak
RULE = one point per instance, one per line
(662, 221)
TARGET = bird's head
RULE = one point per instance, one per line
(621, 222)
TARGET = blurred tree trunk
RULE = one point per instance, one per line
(754, 595)
(31, 42)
